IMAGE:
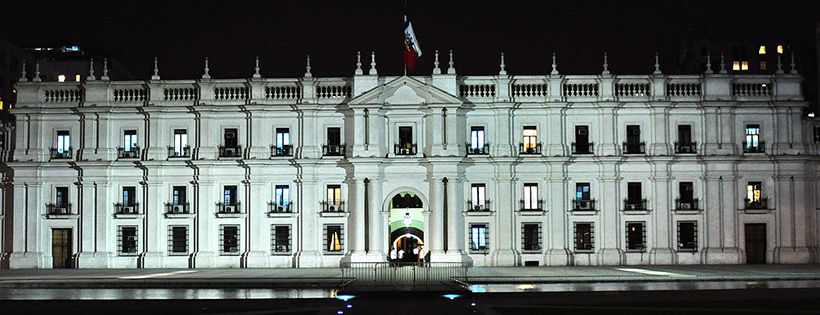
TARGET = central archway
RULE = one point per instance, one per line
(406, 224)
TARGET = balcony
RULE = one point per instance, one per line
(405, 149)
(634, 147)
(582, 148)
(583, 205)
(635, 205)
(230, 151)
(691, 204)
(274, 207)
(56, 154)
(686, 147)
(126, 208)
(478, 206)
(760, 204)
(759, 147)
(538, 205)
(183, 152)
(59, 211)
(333, 150)
(530, 149)
(478, 149)
(130, 153)
(333, 206)
(180, 208)
(285, 150)
(228, 209)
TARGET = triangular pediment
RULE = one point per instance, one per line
(405, 91)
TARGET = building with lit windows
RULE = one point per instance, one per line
(501, 170)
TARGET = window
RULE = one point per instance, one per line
(687, 196)
(744, 65)
(635, 236)
(530, 139)
(685, 134)
(178, 195)
(129, 143)
(180, 142)
(334, 136)
(229, 195)
(477, 139)
(736, 65)
(61, 197)
(687, 236)
(816, 134)
(479, 237)
(127, 240)
(478, 197)
(531, 236)
(754, 192)
(583, 237)
(780, 49)
(531, 197)
(582, 191)
(633, 191)
(229, 239)
(633, 134)
(282, 142)
(230, 138)
(581, 144)
(334, 197)
(178, 240)
(405, 136)
(129, 195)
(762, 66)
(761, 50)
(752, 143)
(281, 195)
(63, 142)
(280, 239)
(334, 238)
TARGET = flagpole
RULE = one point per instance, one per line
(404, 43)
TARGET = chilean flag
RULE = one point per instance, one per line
(411, 45)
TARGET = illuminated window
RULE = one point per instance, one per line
(531, 197)
(762, 50)
(754, 190)
(530, 138)
(77, 78)
(744, 65)
(334, 238)
(780, 49)
(334, 197)
(735, 65)
(61, 78)
(763, 66)
(479, 237)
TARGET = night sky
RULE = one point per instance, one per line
(231, 33)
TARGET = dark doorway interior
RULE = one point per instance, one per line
(755, 243)
(61, 249)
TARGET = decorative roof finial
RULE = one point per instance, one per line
(23, 73)
(436, 69)
(373, 63)
(657, 65)
(793, 66)
(451, 64)
(207, 73)
(554, 66)
(36, 72)
(606, 66)
(709, 63)
(91, 76)
(779, 66)
(722, 63)
(256, 73)
(358, 64)
(156, 70)
(307, 67)
(105, 70)
(503, 71)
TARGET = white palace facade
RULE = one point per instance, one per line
(500, 170)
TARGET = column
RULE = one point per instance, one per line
(791, 209)
(359, 133)
(500, 141)
(355, 221)
(555, 132)
(256, 233)
(661, 142)
(152, 255)
(505, 253)
(557, 253)
(26, 253)
(711, 136)
(608, 130)
(435, 227)
(437, 132)
(455, 220)
(308, 254)
(607, 233)
(205, 235)
(375, 238)
(661, 253)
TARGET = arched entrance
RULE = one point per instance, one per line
(406, 226)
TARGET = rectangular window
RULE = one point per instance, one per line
(744, 65)
(685, 134)
(531, 236)
(687, 192)
(280, 239)
(479, 237)
(229, 239)
(754, 192)
(584, 237)
(477, 139)
(736, 65)
(531, 196)
(633, 134)
(230, 137)
(478, 196)
(334, 194)
(229, 195)
(582, 135)
(582, 191)
(178, 240)
(334, 238)
(762, 66)
(129, 143)
(127, 239)
(178, 195)
(687, 236)
(752, 137)
(180, 142)
(635, 236)
(633, 192)
(282, 138)
(61, 197)
(405, 136)
(63, 142)
(281, 195)
(129, 195)
(334, 136)
(530, 138)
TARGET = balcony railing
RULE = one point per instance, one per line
(691, 204)
(405, 149)
(634, 147)
(64, 208)
(478, 206)
(130, 153)
(230, 151)
(333, 150)
(531, 149)
(582, 148)
(55, 154)
(686, 147)
(126, 208)
(538, 205)
(760, 147)
(333, 206)
(285, 150)
(274, 207)
(478, 149)
(583, 205)
(183, 152)
(232, 207)
(760, 204)
(177, 208)
(630, 205)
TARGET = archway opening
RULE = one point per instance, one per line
(406, 227)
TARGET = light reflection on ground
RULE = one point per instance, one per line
(163, 294)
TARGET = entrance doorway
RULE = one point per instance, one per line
(407, 248)
(61, 249)
(406, 227)
(755, 243)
